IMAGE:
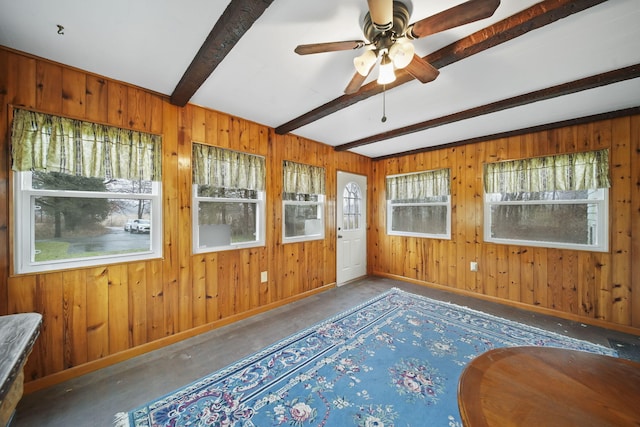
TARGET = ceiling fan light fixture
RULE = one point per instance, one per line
(401, 53)
(364, 62)
(386, 74)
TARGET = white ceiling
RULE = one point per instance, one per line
(150, 43)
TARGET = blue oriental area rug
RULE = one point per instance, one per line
(392, 361)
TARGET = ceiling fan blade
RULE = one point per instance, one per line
(381, 12)
(306, 49)
(470, 11)
(422, 70)
(355, 83)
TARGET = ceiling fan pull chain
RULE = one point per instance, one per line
(384, 107)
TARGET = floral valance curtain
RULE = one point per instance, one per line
(47, 143)
(565, 172)
(303, 179)
(421, 185)
(222, 168)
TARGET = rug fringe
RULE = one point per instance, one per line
(121, 420)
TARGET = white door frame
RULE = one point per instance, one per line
(350, 265)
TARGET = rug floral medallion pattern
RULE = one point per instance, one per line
(392, 361)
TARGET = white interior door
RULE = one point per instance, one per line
(351, 248)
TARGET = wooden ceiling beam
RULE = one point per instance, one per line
(603, 79)
(236, 20)
(532, 18)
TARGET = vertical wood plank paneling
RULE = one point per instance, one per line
(49, 304)
(457, 250)
(96, 108)
(634, 134)
(199, 283)
(117, 104)
(198, 134)
(550, 278)
(211, 285)
(155, 308)
(153, 118)
(514, 151)
(468, 188)
(514, 283)
(136, 279)
(569, 286)
(183, 190)
(170, 210)
(118, 309)
(90, 313)
(621, 221)
(489, 266)
(586, 284)
(441, 160)
(601, 137)
(603, 281)
(136, 109)
(502, 280)
(5, 235)
(49, 87)
(540, 280)
(74, 308)
(243, 298)
(74, 93)
(74, 315)
(527, 268)
(22, 86)
(227, 282)
(478, 201)
(554, 278)
(97, 284)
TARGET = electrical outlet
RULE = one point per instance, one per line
(263, 276)
(473, 266)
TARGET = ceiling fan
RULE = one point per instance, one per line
(388, 37)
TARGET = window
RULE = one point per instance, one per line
(419, 204)
(228, 199)
(351, 207)
(302, 202)
(557, 201)
(76, 188)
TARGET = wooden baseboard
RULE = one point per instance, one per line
(112, 359)
(533, 308)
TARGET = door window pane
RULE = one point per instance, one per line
(351, 207)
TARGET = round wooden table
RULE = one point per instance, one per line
(542, 386)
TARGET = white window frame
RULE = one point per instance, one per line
(391, 205)
(602, 230)
(260, 221)
(24, 228)
(320, 212)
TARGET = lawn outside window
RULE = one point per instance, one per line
(556, 201)
(75, 187)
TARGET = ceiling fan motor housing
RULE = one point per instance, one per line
(383, 39)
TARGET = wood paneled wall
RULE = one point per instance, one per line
(95, 313)
(100, 313)
(574, 284)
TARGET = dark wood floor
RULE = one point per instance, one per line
(93, 399)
